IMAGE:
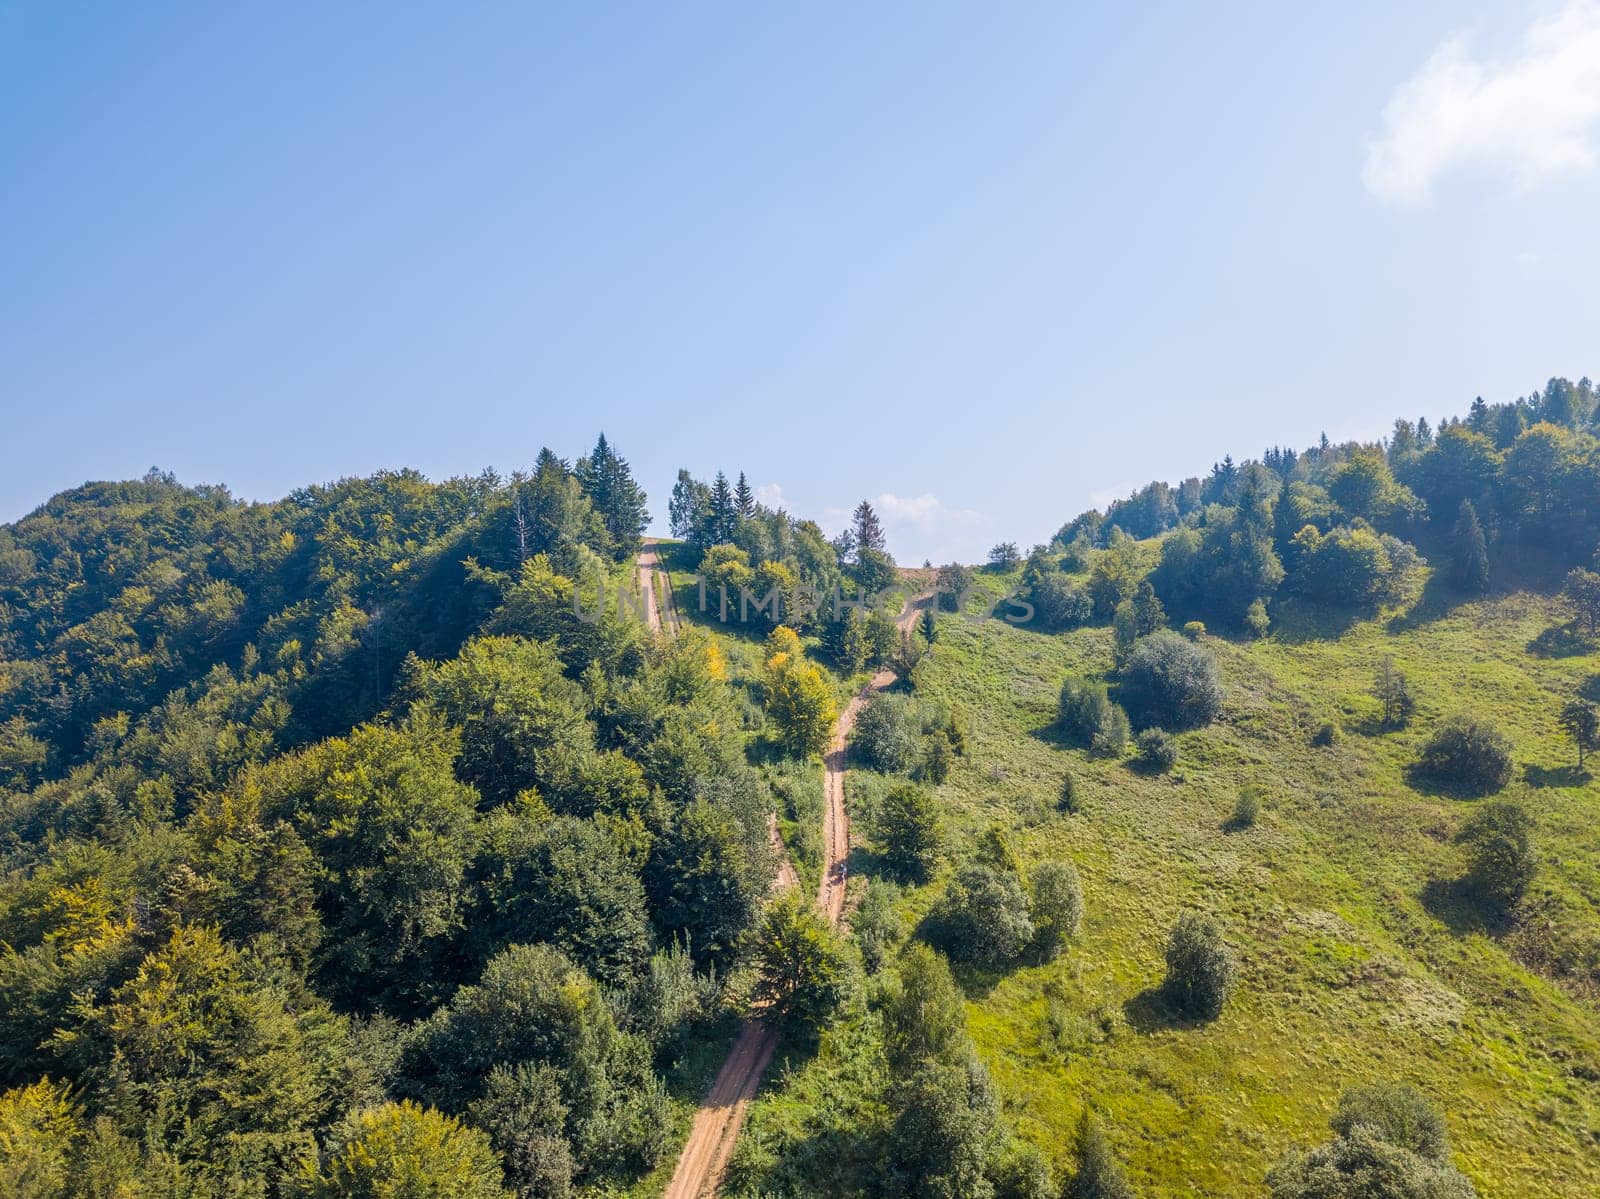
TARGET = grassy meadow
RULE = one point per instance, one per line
(1358, 961)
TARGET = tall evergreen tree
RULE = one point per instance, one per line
(867, 532)
(723, 511)
(1469, 563)
(608, 482)
(744, 500)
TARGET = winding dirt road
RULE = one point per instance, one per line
(706, 1154)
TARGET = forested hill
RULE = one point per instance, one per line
(348, 847)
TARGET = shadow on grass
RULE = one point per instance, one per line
(1590, 688)
(1451, 902)
(1295, 622)
(1558, 776)
(1423, 783)
(1435, 602)
(1561, 641)
(1149, 1012)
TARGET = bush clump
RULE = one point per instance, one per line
(1247, 809)
(1090, 719)
(983, 916)
(908, 826)
(1500, 859)
(1388, 1141)
(888, 734)
(1170, 682)
(1158, 752)
(1467, 754)
(1200, 967)
(1057, 904)
(1070, 800)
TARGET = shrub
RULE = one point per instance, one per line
(953, 581)
(1022, 1171)
(1200, 967)
(877, 925)
(1069, 801)
(938, 757)
(1112, 737)
(1389, 1141)
(888, 735)
(1089, 718)
(1059, 603)
(1247, 809)
(1098, 1176)
(1171, 682)
(1057, 907)
(1500, 860)
(1158, 752)
(1400, 1114)
(1195, 630)
(1325, 735)
(908, 825)
(1256, 620)
(982, 917)
(1468, 754)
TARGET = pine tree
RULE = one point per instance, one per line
(1469, 565)
(868, 530)
(608, 482)
(1285, 524)
(723, 511)
(744, 500)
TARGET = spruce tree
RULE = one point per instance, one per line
(608, 482)
(723, 510)
(1469, 565)
(744, 500)
(868, 530)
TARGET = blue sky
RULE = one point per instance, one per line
(989, 265)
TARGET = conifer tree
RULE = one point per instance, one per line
(723, 510)
(1469, 566)
(867, 531)
(608, 482)
(744, 500)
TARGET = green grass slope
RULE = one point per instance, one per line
(1357, 961)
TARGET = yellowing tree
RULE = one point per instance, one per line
(799, 700)
(402, 1149)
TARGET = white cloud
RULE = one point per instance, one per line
(1531, 117)
(771, 495)
(921, 526)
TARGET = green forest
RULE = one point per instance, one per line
(1239, 841)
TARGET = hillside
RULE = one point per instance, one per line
(384, 839)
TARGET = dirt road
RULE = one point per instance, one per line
(659, 608)
(722, 1113)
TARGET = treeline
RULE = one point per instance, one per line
(748, 553)
(1508, 492)
(340, 855)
